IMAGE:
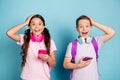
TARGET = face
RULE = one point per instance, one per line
(37, 26)
(84, 28)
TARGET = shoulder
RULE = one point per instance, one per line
(99, 40)
(21, 39)
(21, 35)
(73, 42)
(51, 40)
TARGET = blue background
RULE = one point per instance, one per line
(60, 16)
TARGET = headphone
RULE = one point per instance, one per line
(35, 38)
(81, 40)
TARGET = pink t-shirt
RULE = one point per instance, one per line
(89, 72)
(36, 69)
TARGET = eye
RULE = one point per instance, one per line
(80, 26)
(39, 24)
(87, 26)
(32, 24)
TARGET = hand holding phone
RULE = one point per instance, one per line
(87, 58)
(41, 52)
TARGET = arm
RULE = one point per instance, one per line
(52, 60)
(69, 65)
(109, 32)
(12, 33)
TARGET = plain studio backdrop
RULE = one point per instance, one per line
(60, 17)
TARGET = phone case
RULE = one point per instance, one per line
(41, 52)
(87, 58)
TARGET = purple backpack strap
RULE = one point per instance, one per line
(73, 50)
(73, 53)
(95, 45)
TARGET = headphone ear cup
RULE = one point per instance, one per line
(81, 40)
(89, 39)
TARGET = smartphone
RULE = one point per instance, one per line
(41, 52)
(87, 58)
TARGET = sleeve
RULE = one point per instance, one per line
(21, 40)
(99, 40)
(53, 46)
(68, 51)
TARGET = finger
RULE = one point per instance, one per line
(41, 56)
(82, 58)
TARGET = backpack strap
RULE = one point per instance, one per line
(73, 53)
(95, 45)
(73, 50)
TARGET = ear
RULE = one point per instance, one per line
(43, 28)
(29, 27)
(77, 29)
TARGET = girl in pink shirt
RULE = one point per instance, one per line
(37, 48)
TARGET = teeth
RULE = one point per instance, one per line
(37, 30)
(84, 32)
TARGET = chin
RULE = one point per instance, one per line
(37, 33)
(84, 36)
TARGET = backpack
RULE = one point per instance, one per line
(73, 51)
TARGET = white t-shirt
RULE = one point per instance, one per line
(36, 69)
(89, 72)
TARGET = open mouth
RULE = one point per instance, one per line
(84, 33)
(36, 30)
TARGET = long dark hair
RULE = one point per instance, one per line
(83, 17)
(25, 46)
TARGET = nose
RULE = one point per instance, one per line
(84, 28)
(36, 26)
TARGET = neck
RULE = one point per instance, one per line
(85, 40)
